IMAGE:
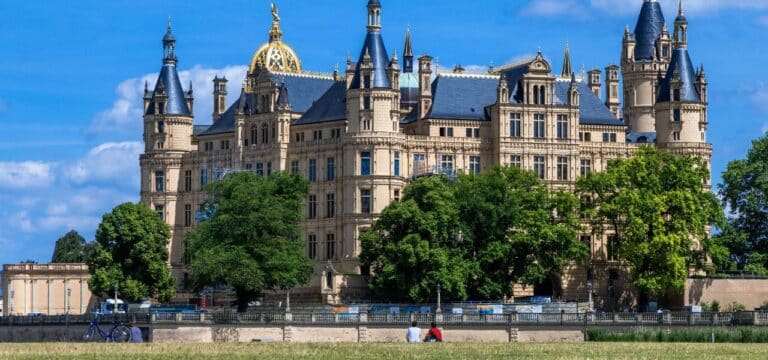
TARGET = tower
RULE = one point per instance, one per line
(594, 81)
(219, 97)
(566, 72)
(612, 89)
(425, 85)
(168, 122)
(645, 53)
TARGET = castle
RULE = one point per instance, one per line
(361, 136)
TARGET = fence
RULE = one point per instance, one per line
(750, 318)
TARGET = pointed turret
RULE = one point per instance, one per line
(283, 102)
(408, 52)
(649, 26)
(373, 50)
(566, 63)
(681, 27)
(169, 97)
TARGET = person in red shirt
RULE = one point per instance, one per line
(434, 334)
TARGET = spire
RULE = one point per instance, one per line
(408, 52)
(373, 52)
(169, 44)
(275, 33)
(374, 15)
(648, 29)
(566, 62)
(680, 8)
(169, 96)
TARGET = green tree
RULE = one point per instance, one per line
(131, 253)
(253, 240)
(518, 231)
(70, 248)
(656, 203)
(745, 191)
(410, 249)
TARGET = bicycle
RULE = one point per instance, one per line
(119, 333)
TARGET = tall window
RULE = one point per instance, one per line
(330, 169)
(585, 136)
(312, 170)
(254, 135)
(676, 114)
(562, 127)
(160, 210)
(516, 161)
(317, 135)
(260, 169)
(539, 166)
(676, 136)
(187, 180)
(366, 103)
(330, 205)
(264, 134)
(612, 247)
(538, 126)
(397, 195)
(474, 165)
(160, 181)
(586, 167)
(161, 126)
(312, 246)
(397, 163)
(419, 163)
(365, 201)
(365, 163)
(562, 168)
(446, 163)
(312, 211)
(330, 246)
(187, 215)
(295, 167)
(203, 177)
(515, 125)
(269, 168)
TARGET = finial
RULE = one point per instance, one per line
(190, 86)
(146, 85)
(680, 8)
(626, 28)
(169, 23)
(539, 50)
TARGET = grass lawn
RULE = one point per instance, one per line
(385, 351)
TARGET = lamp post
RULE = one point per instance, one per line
(287, 299)
(439, 309)
(11, 304)
(589, 289)
(69, 299)
(114, 308)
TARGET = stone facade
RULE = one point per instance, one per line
(48, 289)
(360, 137)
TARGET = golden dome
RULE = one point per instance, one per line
(276, 55)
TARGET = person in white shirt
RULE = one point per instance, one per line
(414, 333)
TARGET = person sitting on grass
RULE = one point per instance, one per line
(434, 334)
(413, 335)
(135, 333)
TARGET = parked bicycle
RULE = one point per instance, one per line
(118, 333)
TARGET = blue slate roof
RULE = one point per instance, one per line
(592, 110)
(168, 82)
(642, 137)
(375, 46)
(648, 29)
(199, 129)
(303, 89)
(332, 106)
(681, 64)
(462, 97)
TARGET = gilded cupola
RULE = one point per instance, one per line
(275, 55)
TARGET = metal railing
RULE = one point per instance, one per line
(751, 318)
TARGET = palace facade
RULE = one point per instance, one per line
(360, 136)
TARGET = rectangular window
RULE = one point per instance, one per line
(474, 165)
(539, 166)
(187, 180)
(562, 168)
(312, 246)
(562, 127)
(160, 210)
(516, 161)
(312, 213)
(330, 205)
(442, 131)
(676, 114)
(676, 136)
(586, 167)
(538, 126)
(295, 167)
(260, 169)
(203, 177)
(312, 170)
(397, 195)
(365, 163)
(224, 144)
(269, 168)
(469, 132)
(330, 246)
(515, 125)
(160, 181)
(187, 215)
(676, 95)
(609, 137)
(249, 166)
(367, 103)
(419, 163)
(446, 163)
(317, 135)
(397, 163)
(612, 248)
(330, 169)
(477, 133)
(161, 127)
(585, 136)
(365, 201)
(449, 132)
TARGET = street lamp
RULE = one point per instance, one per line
(589, 289)
(69, 299)
(114, 308)
(287, 299)
(439, 310)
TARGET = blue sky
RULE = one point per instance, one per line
(72, 72)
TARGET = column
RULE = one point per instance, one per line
(49, 296)
(82, 302)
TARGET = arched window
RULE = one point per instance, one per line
(535, 94)
(541, 95)
(264, 134)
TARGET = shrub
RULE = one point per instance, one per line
(734, 307)
(742, 335)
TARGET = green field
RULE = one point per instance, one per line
(385, 351)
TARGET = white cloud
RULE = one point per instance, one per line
(25, 175)
(126, 112)
(22, 221)
(117, 162)
(68, 222)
